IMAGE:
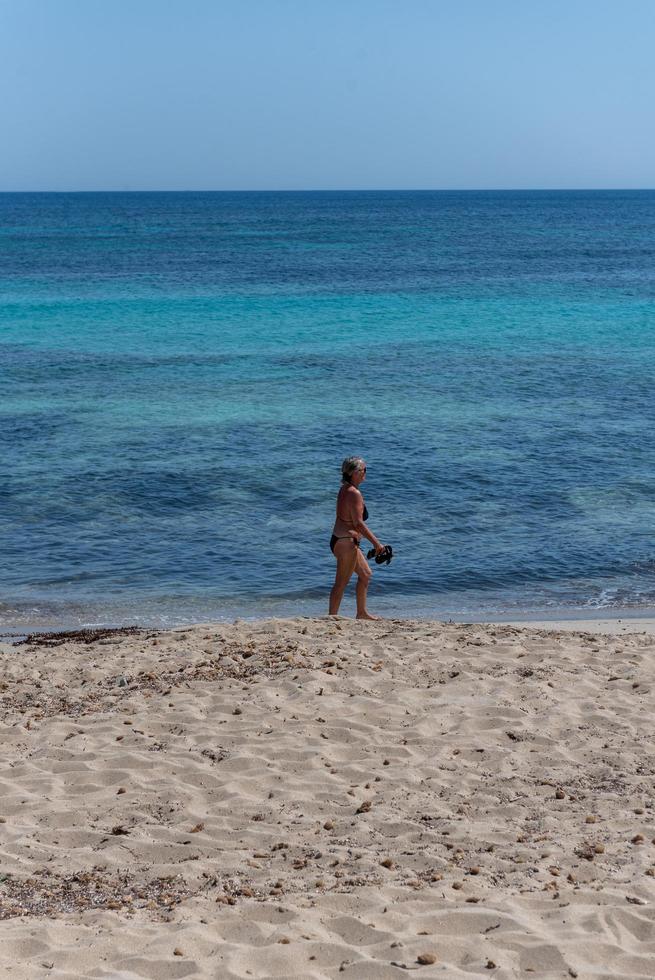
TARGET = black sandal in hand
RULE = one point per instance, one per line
(384, 556)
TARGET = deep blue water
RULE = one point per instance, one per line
(183, 373)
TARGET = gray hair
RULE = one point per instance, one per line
(350, 466)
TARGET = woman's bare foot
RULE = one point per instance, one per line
(366, 615)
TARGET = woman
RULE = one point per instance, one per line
(349, 528)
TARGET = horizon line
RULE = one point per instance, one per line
(333, 190)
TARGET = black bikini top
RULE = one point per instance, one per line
(365, 514)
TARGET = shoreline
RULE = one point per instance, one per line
(607, 623)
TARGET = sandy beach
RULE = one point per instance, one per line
(321, 798)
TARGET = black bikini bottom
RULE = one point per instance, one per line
(335, 538)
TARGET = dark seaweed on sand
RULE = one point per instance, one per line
(78, 636)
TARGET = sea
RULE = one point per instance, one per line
(182, 374)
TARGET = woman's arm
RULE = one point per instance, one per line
(357, 512)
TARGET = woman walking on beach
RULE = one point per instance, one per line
(349, 528)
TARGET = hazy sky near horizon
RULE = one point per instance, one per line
(311, 94)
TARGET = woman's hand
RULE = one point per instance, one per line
(378, 548)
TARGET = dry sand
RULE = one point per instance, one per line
(324, 798)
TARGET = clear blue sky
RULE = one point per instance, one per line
(295, 94)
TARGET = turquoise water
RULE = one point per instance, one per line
(183, 373)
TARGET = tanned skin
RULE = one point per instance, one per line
(350, 508)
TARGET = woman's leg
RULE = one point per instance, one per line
(364, 575)
(345, 551)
